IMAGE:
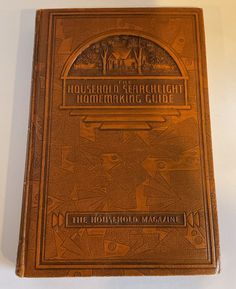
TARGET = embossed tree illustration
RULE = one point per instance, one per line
(104, 56)
(138, 47)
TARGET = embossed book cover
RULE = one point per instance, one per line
(119, 175)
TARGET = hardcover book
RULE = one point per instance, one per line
(119, 174)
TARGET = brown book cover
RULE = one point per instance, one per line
(119, 174)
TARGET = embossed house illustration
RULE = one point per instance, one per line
(121, 59)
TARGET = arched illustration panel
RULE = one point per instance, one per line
(123, 53)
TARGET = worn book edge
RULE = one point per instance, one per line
(22, 245)
(208, 136)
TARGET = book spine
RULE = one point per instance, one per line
(22, 245)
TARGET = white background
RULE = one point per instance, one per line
(16, 50)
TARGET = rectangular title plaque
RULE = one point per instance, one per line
(119, 175)
(123, 219)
